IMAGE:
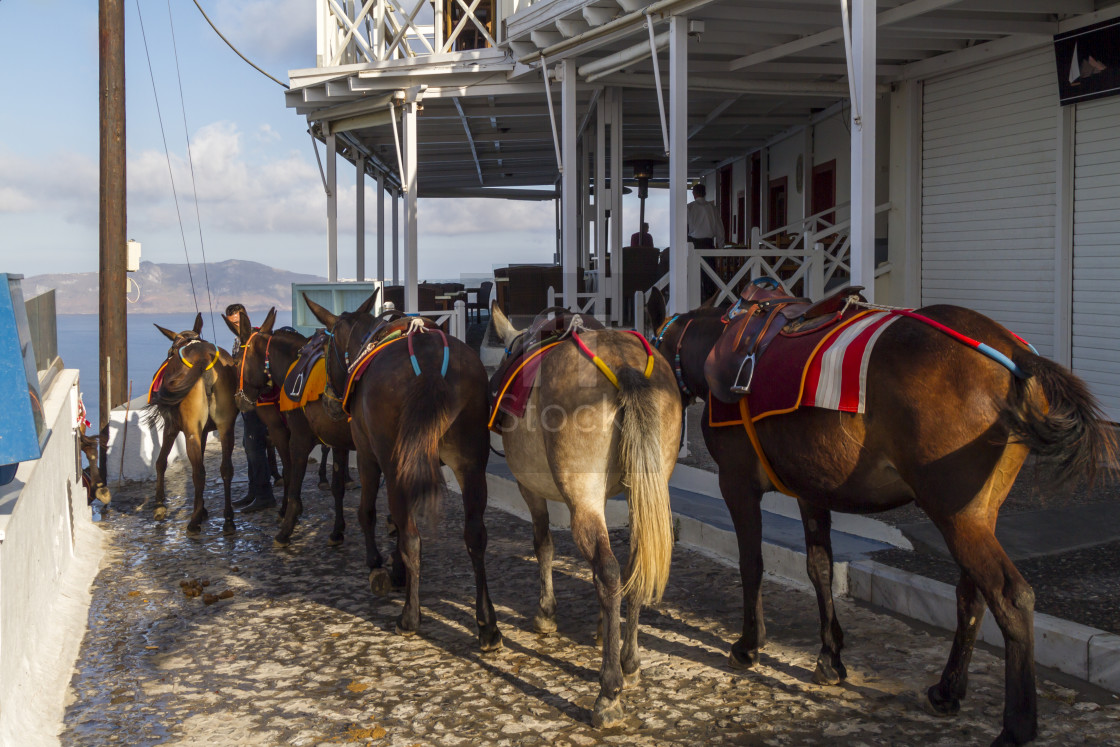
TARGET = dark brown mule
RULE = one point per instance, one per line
(194, 398)
(409, 413)
(945, 427)
(265, 358)
(581, 440)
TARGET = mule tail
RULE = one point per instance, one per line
(164, 404)
(1054, 414)
(425, 417)
(651, 518)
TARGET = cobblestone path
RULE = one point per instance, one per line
(303, 654)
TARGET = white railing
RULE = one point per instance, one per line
(456, 319)
(807, 256)
(364, 31)
(588, 304)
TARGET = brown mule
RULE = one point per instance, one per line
(194, 398)
(581, 440)
(420, 401)
(944, 427)
(264, 359)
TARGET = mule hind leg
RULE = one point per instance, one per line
(195, 445)
(589, 531)
(817, 523)
(472, 483)
(226, 439)
(544, 620)
(340, 460)
(170, 433)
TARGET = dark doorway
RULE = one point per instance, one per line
(725, 199)
(776, 202)
(823, 196)
(755, 196)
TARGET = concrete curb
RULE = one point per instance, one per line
(1078, 650)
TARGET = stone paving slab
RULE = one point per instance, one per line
(302, 654)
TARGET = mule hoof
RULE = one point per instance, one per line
(490, 639)
(379, 582)
(193, 531)
(401, 630)
(608, 712)
(160, 513)
(324, 485)
(1006, 738)
(826, 674)
(281, 541)
(335, 540)
(228, 527)
(740, 659)
(102, 494)
(630, 679)
(940, 705)
(543, 625)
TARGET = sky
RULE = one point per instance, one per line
(259, 192)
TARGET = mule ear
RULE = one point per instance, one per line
(324, 316)
(225, 358)
(198, 324)
(368, 304)
(710, 302)
(235, 329)
(269, 320)
(167, 333)
(655, 308)
(244, 327)
(502, 325)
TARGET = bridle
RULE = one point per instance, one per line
(245, 350)
(659, 337)
(177, 348)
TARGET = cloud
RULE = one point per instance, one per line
(235, 195)
(277, 31)
(60, 183)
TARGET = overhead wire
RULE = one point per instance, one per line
(235, 50)
(190, 159)
(167, 155)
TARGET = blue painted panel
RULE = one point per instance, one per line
(22, 428)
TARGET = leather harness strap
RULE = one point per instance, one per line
(752, 434)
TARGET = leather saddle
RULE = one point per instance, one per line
(551, 325)
(297, 377)
(759, 316)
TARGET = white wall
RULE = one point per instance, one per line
(49, 554)
(139, 442)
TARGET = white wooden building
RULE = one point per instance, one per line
(922, 153)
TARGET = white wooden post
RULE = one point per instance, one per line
(396, 237)
(550, 297)
(332, 211)
(601, 200)
(380, 225)
(863, 146)
(814, 281)
(360, 220)
(680, 297)
(411, 266)
(459, 326)
(569, 186)
(616, 203)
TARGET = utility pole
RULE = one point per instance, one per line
(113, 331)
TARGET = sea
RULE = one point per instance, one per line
(147, 347)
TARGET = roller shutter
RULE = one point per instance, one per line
(1096, 250)
(988, 192)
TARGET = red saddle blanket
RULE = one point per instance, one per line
(512, 384)
(827, 370)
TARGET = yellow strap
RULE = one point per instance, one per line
(509, 381)
(649, 367)
(607, 370)
(748, 424)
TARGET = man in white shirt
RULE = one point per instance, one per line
(705, 231)
(705, 228)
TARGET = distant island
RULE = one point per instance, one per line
(166, 288)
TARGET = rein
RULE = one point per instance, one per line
(241, 370)
(187, 363)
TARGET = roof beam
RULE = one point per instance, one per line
(974, 55)
(835, 34)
